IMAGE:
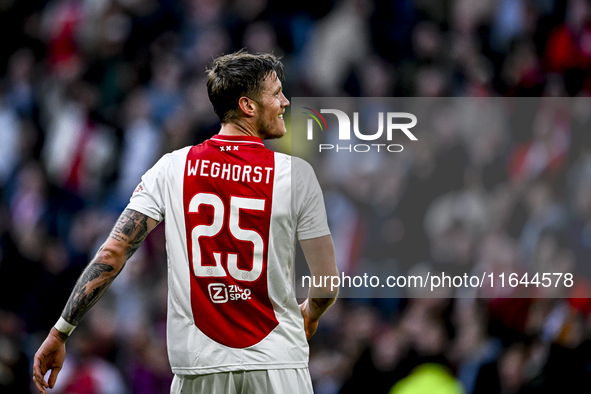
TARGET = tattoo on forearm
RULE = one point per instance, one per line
(132, 227)
(85, 295)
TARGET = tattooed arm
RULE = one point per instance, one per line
(126, 237)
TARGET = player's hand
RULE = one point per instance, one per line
(310, 325)
(50, 356)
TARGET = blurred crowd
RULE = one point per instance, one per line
(93, 92)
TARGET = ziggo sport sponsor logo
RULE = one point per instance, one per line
(345, 130)
(219, 293)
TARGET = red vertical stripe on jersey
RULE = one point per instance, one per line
(229, 310)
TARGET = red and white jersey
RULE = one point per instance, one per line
(233, 210)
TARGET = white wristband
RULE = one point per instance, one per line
(64, 327)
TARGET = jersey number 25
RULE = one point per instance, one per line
(211, 230)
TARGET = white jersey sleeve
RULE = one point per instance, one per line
(148, 197)
(309, 202)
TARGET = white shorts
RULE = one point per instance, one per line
(272, 381)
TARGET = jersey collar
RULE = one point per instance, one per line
(237, 139)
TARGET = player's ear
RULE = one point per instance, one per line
(247, 105)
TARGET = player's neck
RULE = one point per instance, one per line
(244, 129)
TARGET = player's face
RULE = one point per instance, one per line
(272, 106)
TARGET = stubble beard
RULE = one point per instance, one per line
(267, 131)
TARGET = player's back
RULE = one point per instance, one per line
(230, 233)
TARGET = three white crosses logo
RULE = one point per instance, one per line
(345, 129)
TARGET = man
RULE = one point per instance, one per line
(233, 210)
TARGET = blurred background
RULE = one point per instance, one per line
(92, 93)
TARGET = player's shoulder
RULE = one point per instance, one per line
(179, 154)
(169, 159)
(299, 167)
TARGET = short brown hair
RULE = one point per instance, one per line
(236, 75)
